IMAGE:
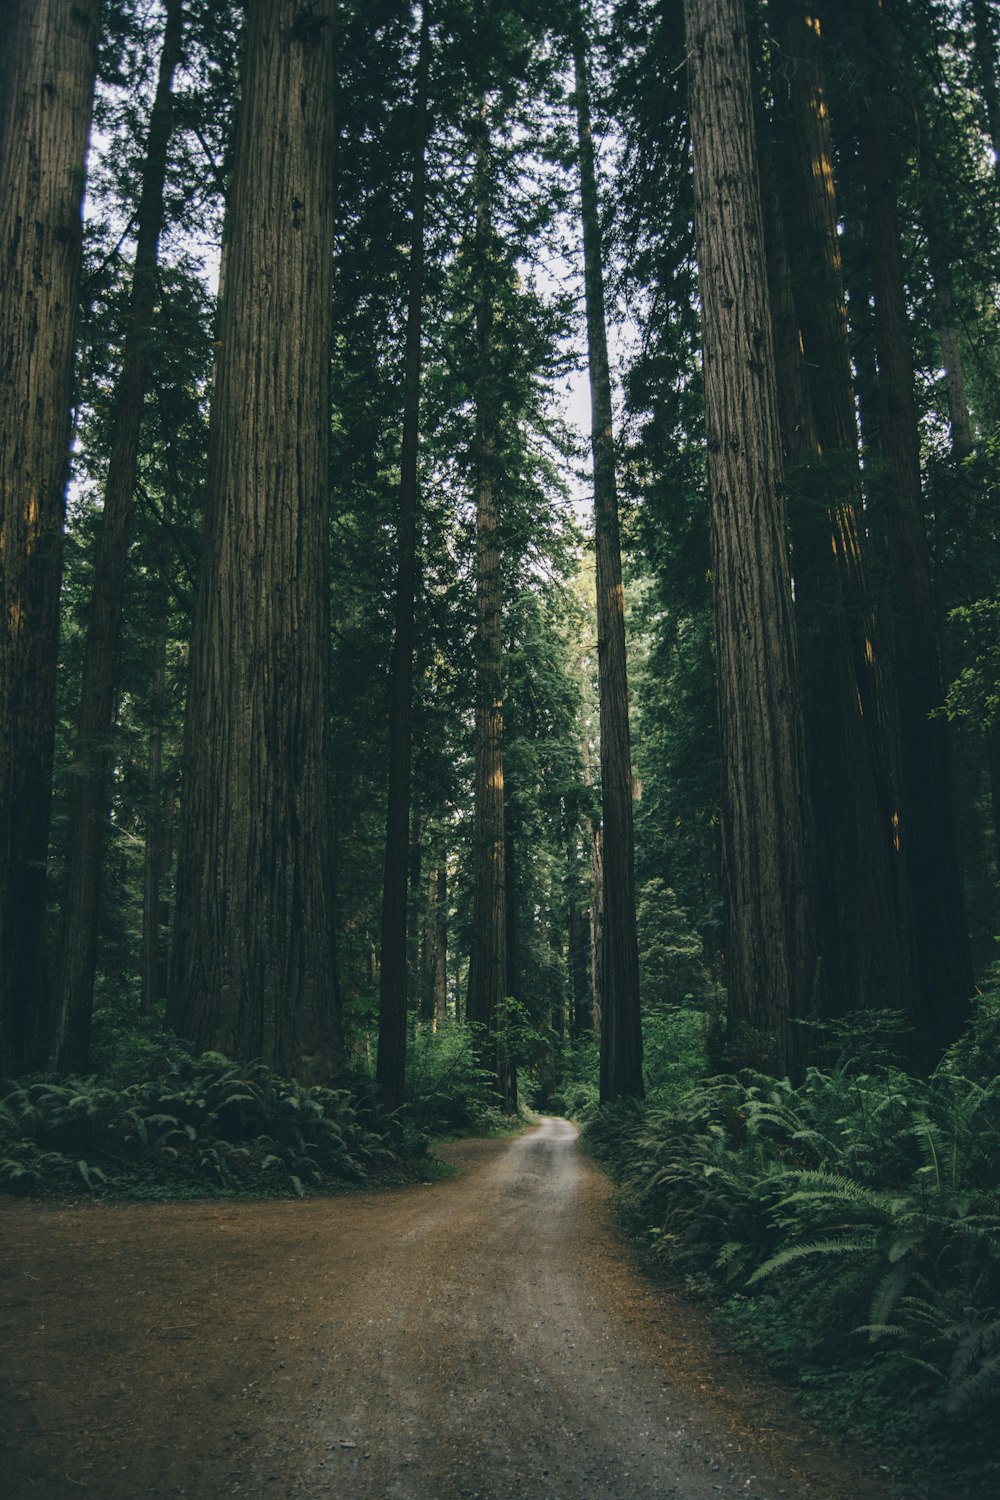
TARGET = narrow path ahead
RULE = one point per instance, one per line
(480, 1337)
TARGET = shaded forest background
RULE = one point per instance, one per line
(345, 740)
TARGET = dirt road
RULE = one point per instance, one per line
(483, 1336)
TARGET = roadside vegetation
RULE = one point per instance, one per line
(848, 1228)
(159, 1121)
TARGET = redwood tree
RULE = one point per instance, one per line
(926, 815)
(253, 960)
(767, 875)
(488, 960)
(95, 722)
(392, 972)
(621, 1029)
(847, 736)
(46, 95)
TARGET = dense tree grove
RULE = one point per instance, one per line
(353, 685)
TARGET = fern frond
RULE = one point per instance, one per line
(811, 1247)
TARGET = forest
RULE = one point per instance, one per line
(500, 552)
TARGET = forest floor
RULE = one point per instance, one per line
(482, 1336)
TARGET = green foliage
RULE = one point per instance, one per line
(165, 1124)
(673, 1050)
(975, 692)
(853, 1222)
(671, 957)
(447, 1091)
(976, 1054)
(576, 1093)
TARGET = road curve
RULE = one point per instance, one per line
(484, 1352)
(479, 1338)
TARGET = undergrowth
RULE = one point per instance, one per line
(163, 1123)
(448, 1092)
(849, 1226)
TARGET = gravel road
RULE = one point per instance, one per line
(481, 1337)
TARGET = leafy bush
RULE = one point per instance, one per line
(673, 1042)
(853, 1222)
(200, 1125)
(575, 1092)
(671, 958)
(447, 1092)
(673, 1049)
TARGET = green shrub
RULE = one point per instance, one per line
(447, 1091)
(674, 1056)
(200, 1125)
(853, 1222)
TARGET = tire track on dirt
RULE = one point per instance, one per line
(480, 1338)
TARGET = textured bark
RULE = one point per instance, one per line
(984, 34)
(926, 828)
(157, 852)
(596, 925)
(847, 738)
(93, 755)
(391, 1068)
(46, 94)
(577, 955)
(959, 420)
(993, 767)
(253, 972)
(488, 960)
(956, 393)
(621, 1025)
(767, 875)
(440, 946)
(428, 957)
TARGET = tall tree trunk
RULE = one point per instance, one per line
(428, 955)
(488, 960)
(621, 1023)
(253, 972)
(847, 738)
(441, 945)
(93, 754)
(984, 34)
(391, 1067)
(156, 855)
(993, 769)
(577, 964)
(959, 418)
(596, 925)
(46, 95)
(926, 829)
(767, 875)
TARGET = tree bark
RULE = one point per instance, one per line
(984, 34)
(488, 960)
(441, 946)
(156, 855)
(843, 695)
(621, 1022)
(577, 957)
(93, 754)
(596, 925)
(46, 96)
(767, 874)
(926, 815)
(392, 1031)
(391, 1066)
(253, 971)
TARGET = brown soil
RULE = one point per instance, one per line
(483, 1336)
